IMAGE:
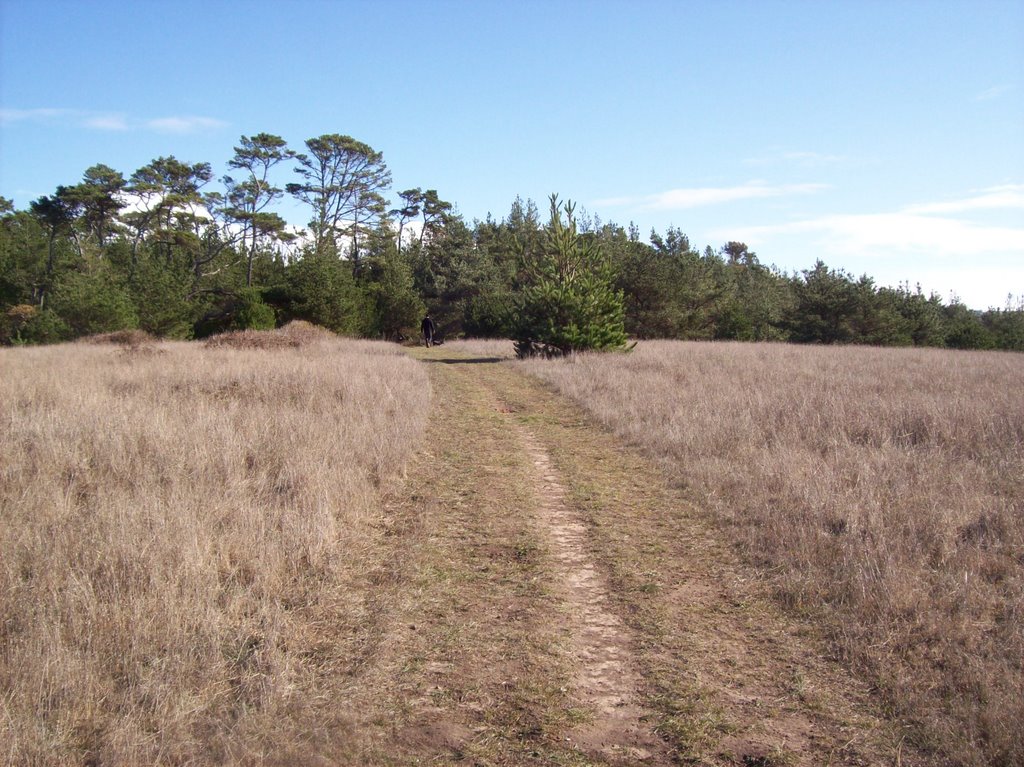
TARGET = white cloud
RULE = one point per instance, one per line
(979, 265)
(1007, 196)
(111, 121)
(682, 199)
(980, 287)
(864, 234)
(184, 124)
(929, 229)
(10, 116)
(107, 122)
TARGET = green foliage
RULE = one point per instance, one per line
(160, 292)
(45, 328)
(322, 290)
(94, 301)
(964, 329)
(568, 302)
(489, 315)
(23, 252)
(671, 291)
(25, 324)
(1007, 327)
(826, 307)
(342, 181)
(247, 199)
(98, 198)
(397, 305)
(462, 283)
(922, 317)
(250, 313)
(242, 309)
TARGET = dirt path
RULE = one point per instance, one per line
(544, 597)
(605, 678)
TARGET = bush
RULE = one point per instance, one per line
(397, 307)
(27, 324)
(250, 313)
(488, 315)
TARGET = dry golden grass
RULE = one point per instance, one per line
(184, 544)
(482, 347)
(294, 334)
(880, 491)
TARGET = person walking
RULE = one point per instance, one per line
(427, 327)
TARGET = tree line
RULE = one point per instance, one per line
(174, 251)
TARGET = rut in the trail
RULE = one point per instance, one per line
(607, 683)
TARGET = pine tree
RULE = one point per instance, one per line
(568, 302)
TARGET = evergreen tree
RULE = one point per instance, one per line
(94, 301)
(1006, 325)
(321, 289)
(250, 313)
(159, 289)
(247, 198)
(397, 306)
(568, 301)
(964, 329)
(342, 181)
(826, 306)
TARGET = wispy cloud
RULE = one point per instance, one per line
(994, 92)
(695, 197)
(1007, 196)
(106, 122)
(931, 229)
(882, 233)
(11, 116)
(110, 121)
(184, 124)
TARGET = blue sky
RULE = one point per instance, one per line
(885, 138)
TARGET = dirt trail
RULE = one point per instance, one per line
(544, 597)
(605, 677)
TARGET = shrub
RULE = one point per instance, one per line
(27, 324)
(251, 313)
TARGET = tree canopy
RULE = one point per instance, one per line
(176, 250)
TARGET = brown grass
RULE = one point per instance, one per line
(184, 542)
(294, 334)
(126, 338)
(482, 347)
(881, 492)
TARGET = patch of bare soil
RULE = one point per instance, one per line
(605, 679)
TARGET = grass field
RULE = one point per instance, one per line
(211, 553)
(185, 537)
(879, 491)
